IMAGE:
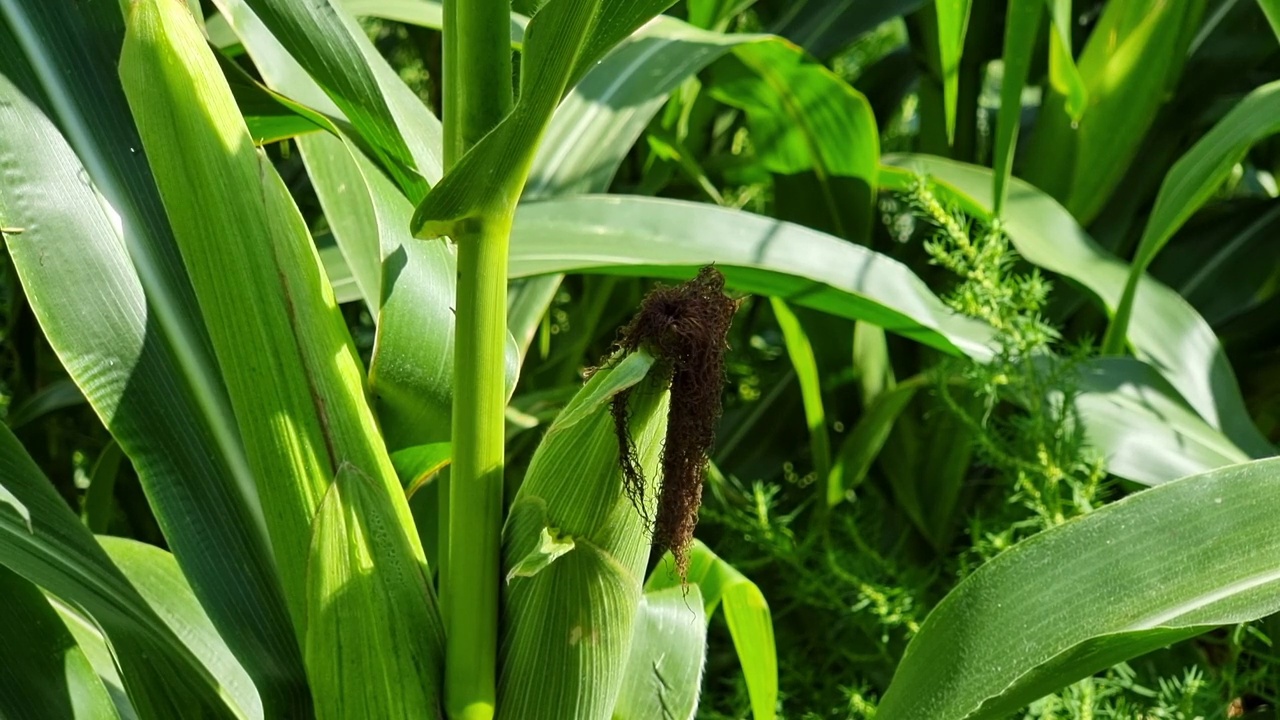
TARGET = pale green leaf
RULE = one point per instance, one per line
(800, 350)
(243, 238)
(1191, 182)
(1022, 22)
(105, 280)
(627, 373)
(57, 553)
(745, 610)
(670, 239)
(1144, 572)
(953, 24)
(668, 650)
(44, 675)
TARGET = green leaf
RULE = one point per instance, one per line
(745, 610)
(668, 650)
(1167, 332)
(1271, 8)
(117, 309)
(1064, 75)
(627, 373)
(1191, 182)
(1142, 427)
(1144, 572)
(43, 672)
(670, 239)
(375, 641)
(564, 40)
(163, 678)
(331, 45)
(953, 23)
(866, 440)
(243, 238)
(1134, 56)
(419, 464)
(811, 130)
(1022, 22)
(806, 366)
(160, 582)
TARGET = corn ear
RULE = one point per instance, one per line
(574, 552)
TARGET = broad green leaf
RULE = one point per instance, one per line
(953, 23)
(745, 611)
(271, 117)
(409, 282)
(670, 239)
(568, 627)
(1156, 567)
(1142, 427)
(1022, 22)
(1166, 332)
(811, 130)
(43, 672)
(563, 41)
(1133, 57)
(1191, 182)
(806, 366)
(243, 239)
(109, 291)
(668, 651)
(375, 641)
(158, 579)
(331, 45)
(55, 551)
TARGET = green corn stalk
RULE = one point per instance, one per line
(574, 551)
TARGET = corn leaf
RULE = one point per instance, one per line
(745, 610)
(824, 27)
(1064, 74)
(670, 238)
(800, 350)
(866, 440)
(1133, 57)
(1022, 22)
(668, 651)
(1190, 184)
(1141, 573)
(953, 24)
(563, 41)
(335, 51)
(1167, 332)
(158, 579)
(104, 279)
(569, 611)
(52, 549)
(245, 245)
(374, 638)
(43, 672)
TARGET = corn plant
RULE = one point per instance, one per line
(368, 528)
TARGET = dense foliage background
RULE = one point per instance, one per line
(942, 463)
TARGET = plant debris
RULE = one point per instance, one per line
(685, 327)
